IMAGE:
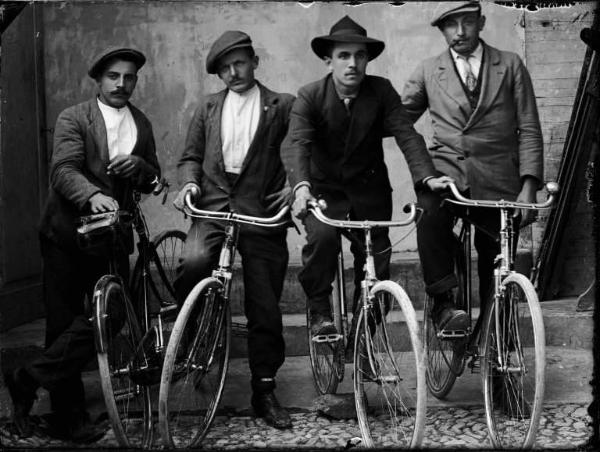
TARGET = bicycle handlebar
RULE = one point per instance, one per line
(316, 207)
(551, 187)
(270, 222)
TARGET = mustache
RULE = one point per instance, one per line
(119, 91)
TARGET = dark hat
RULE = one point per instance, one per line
(346, 30)
(126, 54)
(451, 8)
(228, 41)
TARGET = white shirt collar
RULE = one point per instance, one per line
(246, 94)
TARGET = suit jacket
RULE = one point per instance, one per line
(342, 156)
(492, 149)
(262, 172)
(78, 169)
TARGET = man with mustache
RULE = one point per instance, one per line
(333, 151)
(486, 136)
(231, 163)
(103, 149)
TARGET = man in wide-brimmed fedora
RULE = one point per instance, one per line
(103, 149)
(486, 136)
(333, 151)
(231, 162)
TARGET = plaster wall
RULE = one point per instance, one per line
(176, 37)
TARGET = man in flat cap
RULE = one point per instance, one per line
(486, 136)
(333, 151)
(103, 148)
(231, 162)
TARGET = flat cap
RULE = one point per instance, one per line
(228, 41)
(451, 8)
(127, 54)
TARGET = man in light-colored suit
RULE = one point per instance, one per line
(231, 163)
(486, 136)
(103, 149)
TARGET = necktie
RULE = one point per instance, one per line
(470, 79)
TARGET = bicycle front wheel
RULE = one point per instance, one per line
(389, 371)
(195, 366)
(513, 364)
(117, 335)
(327, 353)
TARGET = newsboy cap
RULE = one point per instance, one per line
(127, 54)
(346, 30)
(451, 8)
(228, 41)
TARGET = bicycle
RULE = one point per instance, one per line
(197, 356)
(129, 322)
(499, 345)
(389, 367)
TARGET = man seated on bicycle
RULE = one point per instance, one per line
(486, 136)
(231, 163)
(333, 151)
(103, 148)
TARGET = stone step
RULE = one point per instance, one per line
(564, 327)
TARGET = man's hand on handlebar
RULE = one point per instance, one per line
(527, 195)
(191, 187)
(302, 196)
(102, 203)
(439, 183)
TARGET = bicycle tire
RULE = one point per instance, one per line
(195, 366)
(327, 358)
(117, 334)
(514, 394)
(163, 258)
(390, 393)
(444, 357)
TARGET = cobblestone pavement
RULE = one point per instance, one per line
(562, 426)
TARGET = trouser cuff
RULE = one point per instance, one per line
(443, 285)
(263, 384)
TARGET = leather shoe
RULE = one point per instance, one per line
(321, 325)
(22, 390)
(267, 406)
(445, 316)
(76, 427)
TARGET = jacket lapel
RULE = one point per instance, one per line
(97, 128)
(268, 110)
(449, 82)
(214, 144)
(493, 75)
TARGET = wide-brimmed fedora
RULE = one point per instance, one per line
(448, 9)
(128, 54)
(346, 30)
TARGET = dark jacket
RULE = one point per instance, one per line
(78, 168)
(340, 153)
(262, 172)
(490, 149)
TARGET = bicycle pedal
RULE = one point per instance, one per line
(238, 329)
(168, 307)
(453, 334)
(474, 364)
(321, 338)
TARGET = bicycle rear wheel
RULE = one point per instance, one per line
(117, 335)
(513, 364)
(327, 354)
(163, 258)
(389, 371)
(195, 366)
(444, 357)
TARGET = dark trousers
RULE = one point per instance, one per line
(437, 244)
(264, 263)
(319, 259)
(68, 276)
